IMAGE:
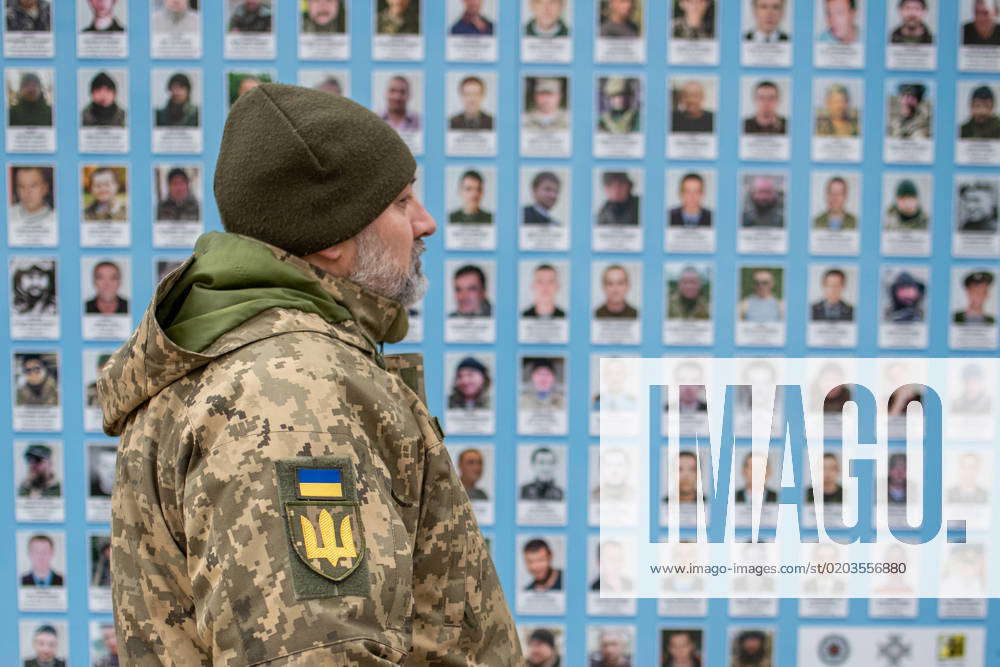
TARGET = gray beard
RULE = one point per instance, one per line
(376, 270)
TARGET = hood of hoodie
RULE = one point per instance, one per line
(233, 291)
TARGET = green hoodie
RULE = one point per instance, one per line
(232, 279)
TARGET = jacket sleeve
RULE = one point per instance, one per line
(284, 573)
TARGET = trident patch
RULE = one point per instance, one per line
(323, 535)
(323, 520)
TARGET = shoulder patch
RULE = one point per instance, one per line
(323, 525)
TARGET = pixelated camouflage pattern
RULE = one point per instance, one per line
(48, 395)
(199, 544)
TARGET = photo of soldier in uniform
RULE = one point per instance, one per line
(691, 212)
(837, 117)
(542, 387)
(543, 484)
(29, 16)
(984, 28)
(973, 317)
(978, 300)
(103, 109)
(615, 283)
(41, 478)
(471, 296)
(620, 18)
(104, 16)
(100, 470)
(36, 377)
(545, 105)
(472, 21)
(470, 386)
(767, 104)
(689, 296)
(982, 120)
(689, 113)
(546, 19)
(397, 17)
(832, 307)
(545, 289)
(470, 188)
(324, 17)
(906, 212)
(33, 288)
(618, 106)
(46, 647)
(910, 112)
(41, 550)
(253, 16)
(472, 92)
(835, 216)
(178, 110)
(620, 207)
(107, 283)
(177, 202)
(978, 202)
(28, 98)
(104, 194)
(693, 19)
(538, 562)
(911, 26)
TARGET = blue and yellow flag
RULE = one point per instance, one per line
(319, 483)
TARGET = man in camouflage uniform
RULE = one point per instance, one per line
(40, 481)
(906, 212)
(542, 393)
(399, 17)
(621, 115)
(39, 387)
(283, 496)
(689, 301)
(29, 16)
(910, 115)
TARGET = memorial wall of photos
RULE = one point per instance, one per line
(609, 178)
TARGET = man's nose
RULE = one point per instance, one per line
(422, 221)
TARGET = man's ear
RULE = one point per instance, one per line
(336, 259)
(333, 253)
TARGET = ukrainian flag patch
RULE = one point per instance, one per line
(319, 483)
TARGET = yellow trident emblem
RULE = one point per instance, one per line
(328, 533)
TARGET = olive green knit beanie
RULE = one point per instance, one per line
(304, 170)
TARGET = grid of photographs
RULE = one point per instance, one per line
(609, 177)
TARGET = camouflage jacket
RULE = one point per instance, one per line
(216, 506)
